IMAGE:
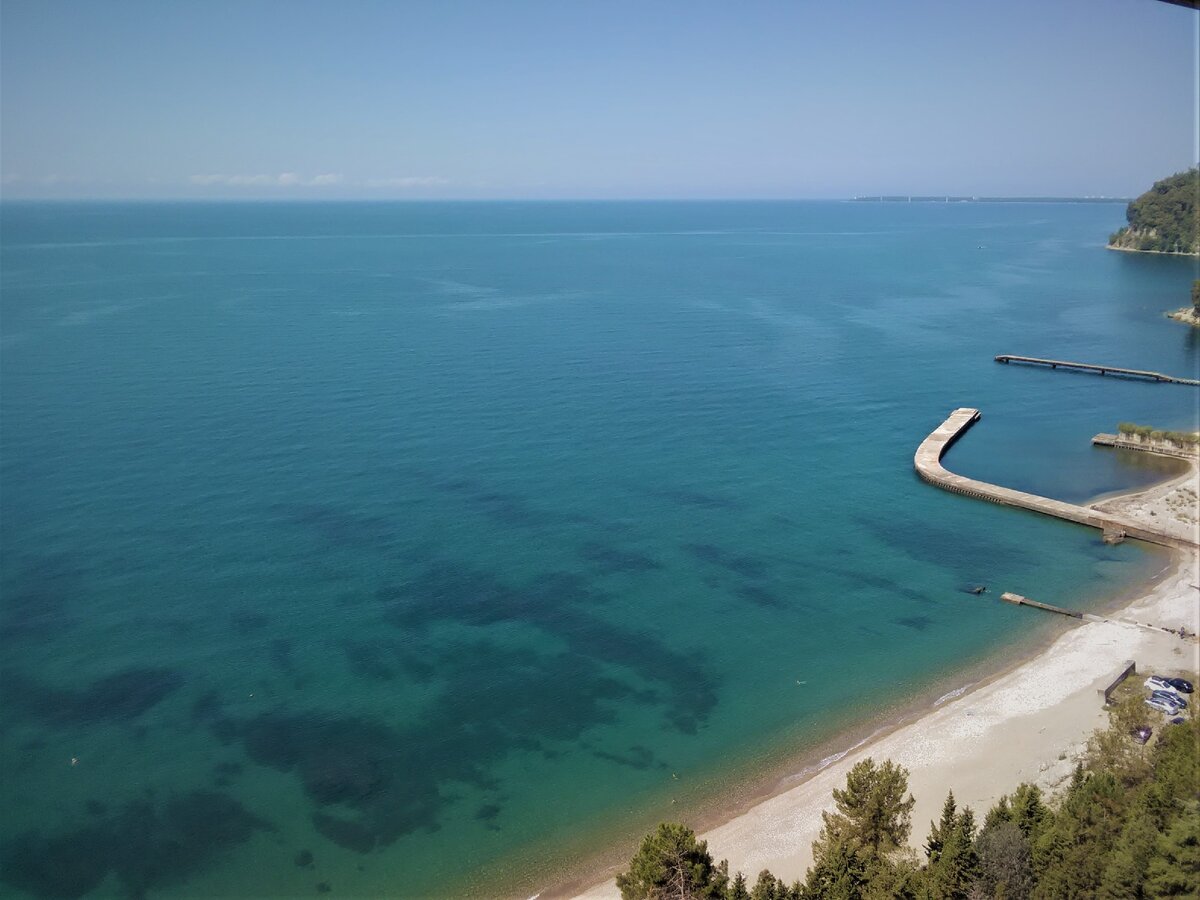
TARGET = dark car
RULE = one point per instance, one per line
(1141, 735)
(1180, 684)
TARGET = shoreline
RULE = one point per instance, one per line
(1017, 706)
(1155, 252)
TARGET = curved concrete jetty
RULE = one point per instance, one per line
(928, 463)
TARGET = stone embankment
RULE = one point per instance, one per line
(928, 463)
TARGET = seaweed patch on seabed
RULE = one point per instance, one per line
(337, 526)
(746, 566)
(685, 497)
(760, 596)
(637, 757)
(120, 697)
(512, 510)
(558, 605)
(916, 623)
(35, 605)
(940, 545)
(351, 764)
(146, 847)
(373, 783)
(612, 559)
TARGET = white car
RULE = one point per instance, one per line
(1154, 683)
(1162, 706)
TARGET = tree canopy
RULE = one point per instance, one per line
(1163, 219)
(1127, 826)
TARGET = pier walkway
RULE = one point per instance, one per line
(928, 463)
(1099, 370)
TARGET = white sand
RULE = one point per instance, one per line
(1027, 725)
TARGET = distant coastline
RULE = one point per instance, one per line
(943, 198)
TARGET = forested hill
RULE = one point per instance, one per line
(1164, 218)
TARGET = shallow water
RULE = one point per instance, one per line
(392, 547)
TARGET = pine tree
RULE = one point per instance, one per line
(1175, 869)
(872, 812)
(670, 865)
(1029, 811)
(737, 889)
(1072, 851)
(768, 887)
(938, 832)
(1126, 870)
(839, 871)
(953, 861)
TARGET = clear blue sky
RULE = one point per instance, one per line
(593, 98)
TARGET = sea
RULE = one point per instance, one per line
(438, 549)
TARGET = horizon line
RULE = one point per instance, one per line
(861, 198)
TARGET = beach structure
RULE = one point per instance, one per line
(928, 463)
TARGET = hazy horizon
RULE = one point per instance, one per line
(543, 101)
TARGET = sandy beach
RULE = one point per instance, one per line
(1028, 724)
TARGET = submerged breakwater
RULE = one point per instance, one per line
(381, 549)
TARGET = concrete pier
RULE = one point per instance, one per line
(928, 463)
(1095, 369)
(1008, 597)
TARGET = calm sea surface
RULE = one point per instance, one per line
(408, 548)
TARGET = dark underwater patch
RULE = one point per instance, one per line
(684, 497)
(746, 566)
(489, 812)
(916, 623)
(371, 783)
(337, 526)
(248, 621)
(37, 604)
(964, 549)
(760, 596)
(385, 781)
(120, 697)
(637, 757)
(511, 510)
(370, 659)
(281, 656)
(147, 848)
(557, 604)
(36, 612)
(614, 559)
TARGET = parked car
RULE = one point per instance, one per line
(1141, 735)
(1163, 706)
(1155, 683)
(1180, 684)
(1173, 699)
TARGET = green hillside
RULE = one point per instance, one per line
(1164, 219)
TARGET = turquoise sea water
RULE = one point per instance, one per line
(395, 548)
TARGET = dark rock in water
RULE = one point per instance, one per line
(304, 859)
(323, 887)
